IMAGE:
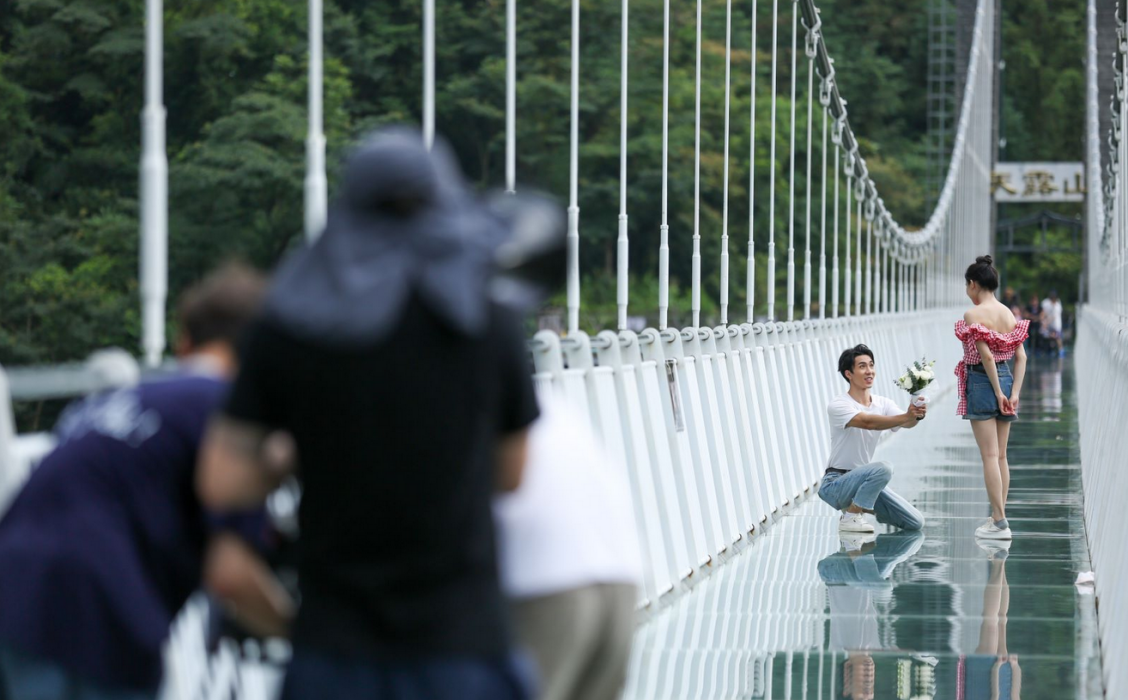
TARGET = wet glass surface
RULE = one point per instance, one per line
(805, 614)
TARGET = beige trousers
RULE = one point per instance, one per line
(580, 640)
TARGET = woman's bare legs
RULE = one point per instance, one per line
(987, 437)
(1002, 431)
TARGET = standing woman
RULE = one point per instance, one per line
(988, 391)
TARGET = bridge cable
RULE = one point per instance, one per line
(573, 286)
(791, 176)
(822, 207)
(771, 292)
(849, 215)
(511, 96)
(750, 277)
(623, 251)
(428, 73)
(695, 260)
(664, 240)
(810, 52)
(725, 186)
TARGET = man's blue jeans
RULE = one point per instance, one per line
(865, 487)
(324, 676)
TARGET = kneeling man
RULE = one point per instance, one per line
(853, 482)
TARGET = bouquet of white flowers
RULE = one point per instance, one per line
(916, 377)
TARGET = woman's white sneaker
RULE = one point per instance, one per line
(853, 522)
(990, 531)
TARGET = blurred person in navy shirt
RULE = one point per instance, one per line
(107, 539)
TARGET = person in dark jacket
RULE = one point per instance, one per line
(107, 539)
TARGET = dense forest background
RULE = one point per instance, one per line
(235, 86)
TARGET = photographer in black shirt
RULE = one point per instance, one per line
(383, 374)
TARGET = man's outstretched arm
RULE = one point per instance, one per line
(873, 421)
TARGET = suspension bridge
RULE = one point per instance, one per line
(721, 428)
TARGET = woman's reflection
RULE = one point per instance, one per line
(857, 577)
(991, 672)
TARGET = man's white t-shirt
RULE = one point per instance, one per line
(571, 522)
(1053, 312)
(854, 447)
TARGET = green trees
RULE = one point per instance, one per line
(1044, 120)
(71, 94)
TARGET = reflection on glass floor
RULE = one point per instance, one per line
(806, 614)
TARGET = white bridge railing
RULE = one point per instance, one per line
(1102, 356)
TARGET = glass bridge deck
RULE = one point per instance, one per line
(803, 615)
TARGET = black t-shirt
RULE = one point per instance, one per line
(396, 444)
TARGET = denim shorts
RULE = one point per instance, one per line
(981, 401)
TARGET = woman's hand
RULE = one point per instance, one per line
(1005, 405)
(1014, 401)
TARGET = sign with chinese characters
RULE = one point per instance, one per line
(1038, 182)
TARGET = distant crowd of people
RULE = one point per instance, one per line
(460, 536)
(1046, 317)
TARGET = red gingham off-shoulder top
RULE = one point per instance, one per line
(1003, 346)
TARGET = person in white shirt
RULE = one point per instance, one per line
(569, 557)
(1052, 315)
(853, 483)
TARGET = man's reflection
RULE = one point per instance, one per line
(857, 577)
(991, 672)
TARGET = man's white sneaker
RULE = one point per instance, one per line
(989, 531)
(853, 522)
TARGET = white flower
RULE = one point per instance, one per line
(905, 382)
